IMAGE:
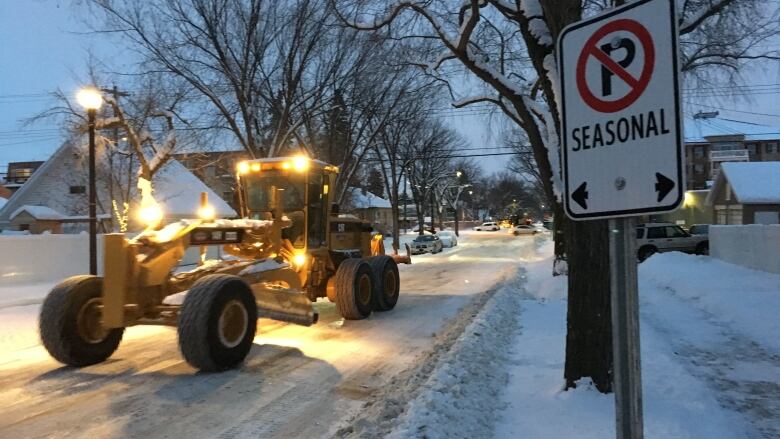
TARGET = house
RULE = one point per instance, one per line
(711, 140)
(746, 193)
(369, 207)
(60, 186)
(217, 169)
(40, 219)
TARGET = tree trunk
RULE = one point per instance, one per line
(396, 227)
(588, 323)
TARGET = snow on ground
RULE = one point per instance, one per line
(703, 376)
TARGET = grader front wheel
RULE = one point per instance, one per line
(217, 322)
(70, 323)
(354, 289)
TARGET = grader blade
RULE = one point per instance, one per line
(285, 305)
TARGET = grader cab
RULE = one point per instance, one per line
(290, 248)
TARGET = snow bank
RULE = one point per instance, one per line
(459, 400)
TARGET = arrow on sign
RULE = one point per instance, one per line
(663, 185)
(580, 195)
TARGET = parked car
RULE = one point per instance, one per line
(489, 226)
(448, 238)
(524, 230)
(662, 237)
(699, 229)
(426, 244)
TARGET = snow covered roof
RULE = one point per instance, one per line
(698, 129)
(178, 191)
(751, 182)
(360, 199)
(45, 213)
(39, 213)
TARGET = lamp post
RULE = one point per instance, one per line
(91, 100)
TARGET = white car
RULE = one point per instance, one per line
(523, 229)
(426, 244)
(448, 238)
(489, 226)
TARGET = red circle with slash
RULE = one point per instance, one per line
(637, 85)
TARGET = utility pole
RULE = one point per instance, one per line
(115, 94)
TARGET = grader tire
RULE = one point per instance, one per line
(217, 322)
(386, 282)
(70, 326)
(354, 289)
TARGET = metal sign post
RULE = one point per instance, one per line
(623, 155)
(627, 371)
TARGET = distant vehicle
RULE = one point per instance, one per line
(489, 227)
(524, 230)
(699, 229)
(426, 244)
(539, 226)
(663, 237)
(448, 238)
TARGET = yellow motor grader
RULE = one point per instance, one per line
(290, 248)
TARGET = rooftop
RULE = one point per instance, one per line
(751, 182)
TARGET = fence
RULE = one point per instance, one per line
(753, 246)
(50, 257)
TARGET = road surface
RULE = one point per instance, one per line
(296, 382)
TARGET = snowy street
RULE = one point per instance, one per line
(297, 381)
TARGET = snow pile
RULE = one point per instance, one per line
(460, 398)
(178, 191)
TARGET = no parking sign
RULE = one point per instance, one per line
(622, 135)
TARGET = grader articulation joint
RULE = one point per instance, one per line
(288, 250)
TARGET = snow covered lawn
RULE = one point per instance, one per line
(710, 356)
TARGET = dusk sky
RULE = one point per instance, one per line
(45, 47)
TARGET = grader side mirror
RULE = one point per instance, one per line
(334, 209)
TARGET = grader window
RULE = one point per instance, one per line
(259, 190)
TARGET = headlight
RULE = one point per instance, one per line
(300, 163)
(150, 215)
(299, 260)
(207, 213)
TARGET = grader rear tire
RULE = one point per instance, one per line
(354, 289)
(386, 282)
(70, 326)
(217, 322)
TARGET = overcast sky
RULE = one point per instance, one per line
(42, 49)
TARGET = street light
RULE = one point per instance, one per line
(458, 174)
(91, 100)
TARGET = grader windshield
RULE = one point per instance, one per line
(292, 187)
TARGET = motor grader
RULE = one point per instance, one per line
(289, 248)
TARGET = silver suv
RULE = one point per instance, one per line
(663, 237)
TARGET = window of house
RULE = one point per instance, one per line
(698, 152)
(751, 148)
(728, 192)
(771, 147)
(78, 189)
(23, 227)
(698, 168)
